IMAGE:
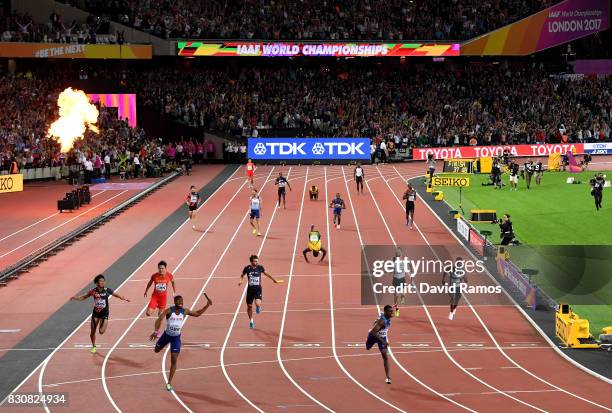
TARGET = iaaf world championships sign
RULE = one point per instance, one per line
(278, 49)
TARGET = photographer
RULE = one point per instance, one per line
(597, 186)
(507, 233)
(529, 169)
(496, 174)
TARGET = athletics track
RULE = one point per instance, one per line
(307, 352)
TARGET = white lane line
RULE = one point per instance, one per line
(287, 293)
(42, 220)
(227, 247)
(231, 326)
(300, 359)
(391, 352)
(331, 307)
(62, 224)
(348, 345)
(527, 318)
(144, 308)
(435, 329)
(44, 363)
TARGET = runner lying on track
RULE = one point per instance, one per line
(254, 291)
(314, 244)
(378, 335)
(100, 314)
(175, 317)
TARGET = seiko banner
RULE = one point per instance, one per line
(312, 149)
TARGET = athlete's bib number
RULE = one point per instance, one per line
(194, 199)
(100, 303)
(411, 198)
(253, 280)
(174, 330)
(160, 287)
(314, 238)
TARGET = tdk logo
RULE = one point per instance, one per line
(260, 149)
(318, 149)
(283, 148)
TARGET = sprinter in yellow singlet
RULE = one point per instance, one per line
(314, 244)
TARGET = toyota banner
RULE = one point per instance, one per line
(309, 149)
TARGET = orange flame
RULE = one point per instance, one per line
(76, 115)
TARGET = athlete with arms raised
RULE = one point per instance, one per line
(175, 317)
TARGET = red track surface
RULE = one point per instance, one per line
(63, 275)
(30, 218)
(306, 353)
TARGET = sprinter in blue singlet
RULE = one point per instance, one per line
(378, 335)
(338, 205)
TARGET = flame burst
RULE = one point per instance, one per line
(76, 115)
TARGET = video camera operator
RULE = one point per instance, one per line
(597, 186)
(507, 232)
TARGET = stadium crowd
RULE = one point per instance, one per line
(317, 19)
(19, 27)
(30, 107)
(420, 105)
(443, 106)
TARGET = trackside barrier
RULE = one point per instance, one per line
(572, 330)
(23, 265)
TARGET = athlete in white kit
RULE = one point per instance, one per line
(175, 317)
(456, 277)
(359, 176)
